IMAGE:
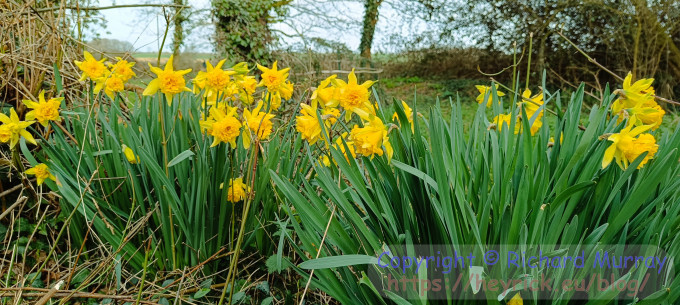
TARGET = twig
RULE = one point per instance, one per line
(14, 188)
(592, 60)
(318, 252)
(50, 293)
(19, 201)
(96, 8)
(41, 292)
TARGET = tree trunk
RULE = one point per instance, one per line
(370, 20)
(178, 35)
(540, 56)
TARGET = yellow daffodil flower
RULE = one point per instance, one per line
(352, 96)
(409, 114)
(273, 98)
(340, 146)
(237, 190)
(246, 88)
(111, 84)
(324, 94)
(516, 300)
(123, 69)
(12, 129)
(130, 155)
(215, 81)
(92, 68)
(531, 105)
(483, 91)
(643, 143)
(636, 103)
(168, 81)
(626, 146)
(44, 111)
(273, 78)
(41, 173)
(330, 115)
(241, 68)
(223, 126)
(371, 139)
(503, 121)
(259, 124)
(308, 125)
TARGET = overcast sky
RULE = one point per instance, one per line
(144, 27)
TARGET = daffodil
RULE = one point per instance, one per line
(273, 78)
(241, 68)
(12, 129)
(43, 110)
(273, 99)
(371, 139)
(259, 124)
(223, 126)
(626, 146)
(324, 94)
(551, 141)
(636, 103)
(532, 105)
(41, 173)
(123, 69)
(516, 300)
(111, 84)
(130, 155)
(503, 121)
(168, 81)
(237, 190)
(647, 113)
(409, 114)
(643, 143)
(92, 68)
(340, 143)
(307, 124)
(246, 88)
(483, 91)
(351, 95)
(215, 81)
(330, 115)
(640, 90)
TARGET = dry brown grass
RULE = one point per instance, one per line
(34, 40)
(30, 43)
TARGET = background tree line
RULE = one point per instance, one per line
(637, 35)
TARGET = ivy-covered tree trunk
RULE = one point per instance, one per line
(243, 27)
(180, 18)
(368, 31)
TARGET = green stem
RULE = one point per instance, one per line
(231, 276)
(531, 40)
(146, 261)
(164, 141)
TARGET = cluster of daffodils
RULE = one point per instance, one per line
(228, 96)
(530, 104)
(109, 77)
(636, 104)
(13, 129)
(322, 120)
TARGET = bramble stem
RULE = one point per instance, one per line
(592, 60)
